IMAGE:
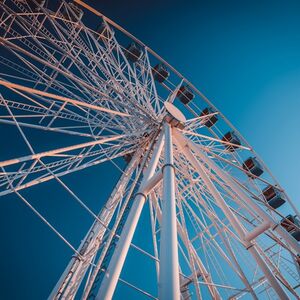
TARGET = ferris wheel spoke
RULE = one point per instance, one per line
(132, 80)
(62, 168)
(73, 130)
(95, 59)
(80, 130)
(150, 83)
(141, 67)
(233, 256)
(58, 165)
(57, 97)
(42, 110)
(130, 96)
(199, 121)
(134, 84)
(123, 81)
(55, 152)
(209, 227)
(109, 22)
(249, 218)
(205, 138)
(209, 239)
(66, 74)
(206, 245)
(233, 164)
(202, 272)
(40, 41)
(37, 76)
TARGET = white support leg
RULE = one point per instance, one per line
(114, 269)
(232, 218)
(291, 241)
(72, 276)
(169, 285)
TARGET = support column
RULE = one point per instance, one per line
(72, 276)
(231, 217)
(169, 285)
(116, 263)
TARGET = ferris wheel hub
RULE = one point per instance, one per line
(174, 116)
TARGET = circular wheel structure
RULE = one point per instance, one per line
(219, 226)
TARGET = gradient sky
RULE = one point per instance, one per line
(243, 55)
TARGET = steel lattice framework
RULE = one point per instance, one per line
(217, 215)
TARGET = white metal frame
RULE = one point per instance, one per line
(213, 232)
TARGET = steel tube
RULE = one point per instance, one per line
(169, 284)
(115, 266)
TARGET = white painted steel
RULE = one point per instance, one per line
(61, 77)
(231, 217)
(169, 286)
(114, 269)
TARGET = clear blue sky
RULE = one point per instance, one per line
(244, 56)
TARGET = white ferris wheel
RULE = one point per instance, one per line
(221, 226)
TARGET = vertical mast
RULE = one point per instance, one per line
(169, 286)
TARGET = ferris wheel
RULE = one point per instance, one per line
(220, 225)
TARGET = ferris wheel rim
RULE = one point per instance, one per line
(190, 84)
